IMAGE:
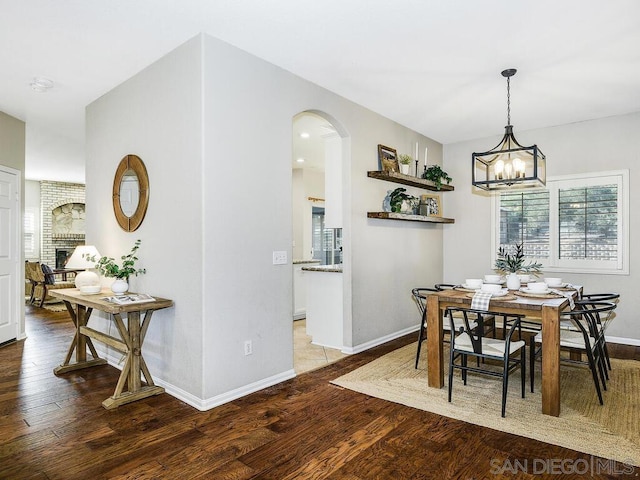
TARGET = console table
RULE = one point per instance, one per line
(132, 333)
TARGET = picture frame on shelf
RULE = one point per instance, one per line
(430, 205)
(388, 159)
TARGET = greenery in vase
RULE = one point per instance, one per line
(108, 267)
(405, 159)
(397, 197)
(514, 262)
(436, 175)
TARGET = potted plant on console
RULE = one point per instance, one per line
(510, 261)
(108, 267)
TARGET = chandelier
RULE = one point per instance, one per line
(509, 164)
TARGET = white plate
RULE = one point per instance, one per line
(501, 293)
(464, 285)
(562, 285)
(535, 292)
(501, 282)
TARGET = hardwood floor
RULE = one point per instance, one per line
(55, 428)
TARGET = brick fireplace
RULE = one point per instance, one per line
(62, 211)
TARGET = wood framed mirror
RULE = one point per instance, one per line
(130, 192)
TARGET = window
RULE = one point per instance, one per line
(30, 234)
(576, 224)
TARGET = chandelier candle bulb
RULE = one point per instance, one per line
(499, 169)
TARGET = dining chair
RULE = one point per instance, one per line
(489, 320)
(472, 342)
(585, 338)
(603, 322)
(420, 297)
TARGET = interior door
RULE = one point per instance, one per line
(9, 254)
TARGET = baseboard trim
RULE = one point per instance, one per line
(245, 390)
(207, 404)
(379, 341)
(623, 341)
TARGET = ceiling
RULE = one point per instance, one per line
(431, 65)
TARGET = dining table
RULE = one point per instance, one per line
(545, 309)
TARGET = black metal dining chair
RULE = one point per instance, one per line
(603, 321)
(489, 320)
(420, 297)
(585, 338)
(471, 342)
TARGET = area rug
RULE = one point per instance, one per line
(611, 431)
(54, 306)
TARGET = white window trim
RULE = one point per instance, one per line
(555, 265)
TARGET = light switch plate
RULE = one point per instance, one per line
(280, 258)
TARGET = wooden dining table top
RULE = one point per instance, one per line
(531, 304)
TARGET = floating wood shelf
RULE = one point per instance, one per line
(409, 218)
(410, 180)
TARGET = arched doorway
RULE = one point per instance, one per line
(319, 149)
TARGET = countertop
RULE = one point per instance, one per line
(297, 262)
(324, 268)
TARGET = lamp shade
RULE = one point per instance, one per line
(80, 259)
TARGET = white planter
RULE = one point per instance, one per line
(404, 169)
(119, 286)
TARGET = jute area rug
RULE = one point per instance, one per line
(611, 431)
(51, 305)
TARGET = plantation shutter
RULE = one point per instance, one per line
(588, 223)
(524, 218)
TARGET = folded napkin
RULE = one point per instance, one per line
(569, 295)
(481, 300)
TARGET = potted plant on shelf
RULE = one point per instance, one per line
(108, 267)
(397, 197)
(436, 175)
(511, 263)
(405, 160)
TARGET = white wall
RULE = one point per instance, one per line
(157, 115)
(217, 144)
(12, 155)
(591, 146)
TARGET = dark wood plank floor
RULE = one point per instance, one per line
(55, 428)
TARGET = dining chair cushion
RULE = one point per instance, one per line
(490, 346)
(569, 339)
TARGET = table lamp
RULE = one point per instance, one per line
(79, 259)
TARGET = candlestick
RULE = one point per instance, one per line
(416, 150)
(416, 167)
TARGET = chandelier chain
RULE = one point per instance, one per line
(508, 102)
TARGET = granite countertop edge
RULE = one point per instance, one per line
(298, 262)
(324, 268)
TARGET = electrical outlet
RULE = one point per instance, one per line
(248, 348)
(280, 258)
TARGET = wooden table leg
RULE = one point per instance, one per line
(435, 352)
(134, 365)
(80, 318)
(133, 318)
(551, 360)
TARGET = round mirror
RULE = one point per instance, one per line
(130, 192)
